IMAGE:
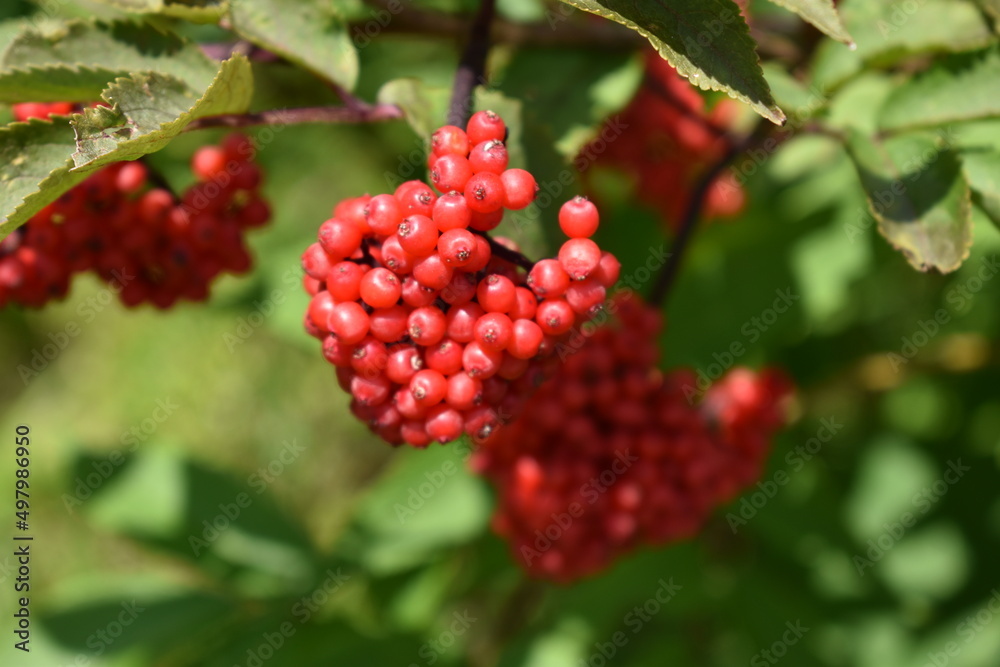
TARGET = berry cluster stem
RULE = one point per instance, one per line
(354, 113)
(665, 281)
(472, 67)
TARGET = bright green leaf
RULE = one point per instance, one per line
(150, 109)
(983, 172)
(706, 40)
(822, 14)
(932, 98)
(61, 83)
(34, 168)
(311, 34)
(423, 107)
(121, 47)
(918, 194)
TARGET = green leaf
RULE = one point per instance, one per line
(983, 172)
(61, 83)
(991, 7)
(196, 11)
(119, 48)
(150, 109)
(887, 32)
(422, 105)
(311, 34)
(34, 168)
(822, 14)
(918, 194)
(954, 89)
(707, 41)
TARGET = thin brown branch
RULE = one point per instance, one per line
(505, 253)
(472, 67)
(374, 113)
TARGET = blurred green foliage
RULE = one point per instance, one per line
(201, 500)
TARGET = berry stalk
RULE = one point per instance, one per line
(472, 68)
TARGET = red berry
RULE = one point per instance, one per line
(489, 156)
(585, 297)
(416, 198)
(484, 193)
(548, 279)
(480, 362)
(432, 272)
(485, 126)
(349, 321)
(464, 392)
(426, 325)
(418, 235)
(339, 239)
(519, 189)
(494, 331)
(461, 289)
(395, 258)
(315, 262)
(384, 214)
(370, 357)
(388, 324)
(403, 363)
(579, 257)
(445, 357)
(444, 423)
(451, 212)
(525, 304)
(428, 387)
(416, 295)
(456, 247)
(451, 172)
(450, 140)
(608, 270)
(380, 288)
(555, 317)
(578, 218)
(209, 162)
(461, 321)
(344, 280)
(525, 339)
(496, 294)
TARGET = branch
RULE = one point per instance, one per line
(692, 213)
(472, 67)
(369, 113)
(505, 253)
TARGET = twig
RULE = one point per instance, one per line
(369, 113)
(692, 213)
(505, 253)
(472, 67)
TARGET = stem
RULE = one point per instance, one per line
(505, 253)
(692, 213)
(368, 113)
(472, 67)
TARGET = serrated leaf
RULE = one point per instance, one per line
(955, 89)
(918, 194)
(61, 83)
(820, 13)
(707, 41)
(311, 34)
(34, 168)
(983, 172)
(120, 47)
(150, 109)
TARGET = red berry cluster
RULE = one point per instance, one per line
(610, 454)
(670, 143)
(435, 328)
(154, 247)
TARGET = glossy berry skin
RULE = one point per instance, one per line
(484, 193)
(431, 325)
(579, 257)
(578, 218)
(519, 189)
(485, 126)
